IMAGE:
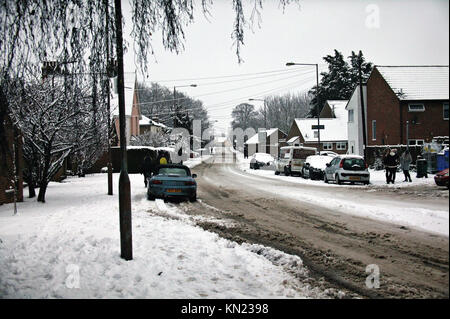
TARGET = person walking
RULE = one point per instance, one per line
(405, 162)
(385, 155)
(147, 168)
(391, 163)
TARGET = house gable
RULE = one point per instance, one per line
(390, 91)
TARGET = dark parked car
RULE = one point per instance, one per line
(315, 165)
(172, 180)
(259, 160)
(441, 178)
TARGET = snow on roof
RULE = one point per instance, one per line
(293, 139)
(319, 161)
(417, 82)
(254, 139)
(338, 106)
(147, 121)
(335, 129)
(129, 79)
(350, 156)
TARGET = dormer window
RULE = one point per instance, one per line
(416, 107)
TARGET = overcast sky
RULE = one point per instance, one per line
(391, 32)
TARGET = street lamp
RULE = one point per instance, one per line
(174, 98)
(126, 246)
(265, 110)
(317, 105)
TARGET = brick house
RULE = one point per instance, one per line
(274, 139)
(6, 162)
(132, 109)
(397, 95)
(334, 135)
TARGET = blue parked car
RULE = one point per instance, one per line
(172, 180)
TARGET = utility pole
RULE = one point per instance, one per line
(361, 94)
(317, 127)
(126, 246)
(175, 106)
(265, 110)
(317, 106)
(407, 135)
(174, 110)
(108, 92)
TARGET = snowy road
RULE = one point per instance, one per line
(337, 231)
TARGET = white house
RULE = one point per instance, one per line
(355, 135)
(333, 137)
(266, 141)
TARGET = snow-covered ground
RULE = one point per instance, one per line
(434, 219)
(69, 247)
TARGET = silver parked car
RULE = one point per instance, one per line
(347, 168)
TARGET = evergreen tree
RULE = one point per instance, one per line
(340, 80)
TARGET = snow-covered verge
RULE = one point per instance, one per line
(413, 214)
(69, 247)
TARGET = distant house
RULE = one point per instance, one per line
(333, 137)
(7, 144)
(401, 95)
(149, 125)
(273, 139)
(132, 109)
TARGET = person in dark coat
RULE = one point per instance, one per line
(386, 153)
(391, 163)
(405, 162)
(147, 168)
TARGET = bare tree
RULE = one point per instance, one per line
(46, 114)
(154, 139)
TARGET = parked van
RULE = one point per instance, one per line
(292, 158)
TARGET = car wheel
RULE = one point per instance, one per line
(193, 198)
(150, 197)
(338, 180)
(325, 179)
(277, 173)
(286, 171)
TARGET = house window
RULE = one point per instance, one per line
(341, 146)
(327, 146)
(415, 142)
(350, 116)
(374, 130)
(416, 107)
(445, 111)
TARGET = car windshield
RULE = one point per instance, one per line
(354, 164)
(173, 171)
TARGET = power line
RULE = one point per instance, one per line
(228, 90)
(226, 104)
(223, 76)
(228, 81)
